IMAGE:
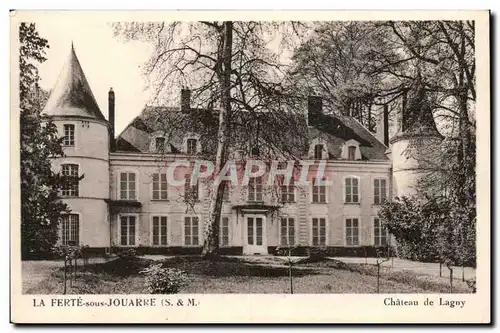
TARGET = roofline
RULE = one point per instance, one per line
(124, 155)
(126, 127)
(86, 118)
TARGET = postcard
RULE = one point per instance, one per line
(250, 167)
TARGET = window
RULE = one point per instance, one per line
(288, 192)
(160, 188)
(225, 196)
(71, 171)
(224, 231)
(127, 186)
(255, 189)
(191, 236)
(69, 135)
(379, 191)
(352, 231)
(380, 233)
(160, 230)
(351, 153)
(70, 227)
(127, 230)
(190, 191)
(318, 152)
(287, 231)
(352, 190)
(160, 144)
(191, 146)
(319, 231)
(318, 192)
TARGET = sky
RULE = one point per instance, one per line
(106, 61)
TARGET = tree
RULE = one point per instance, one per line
(39, 142)
(345, 62)
(443, 52)
(233, 73)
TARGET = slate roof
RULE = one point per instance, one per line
(72, 95)
(335, 130)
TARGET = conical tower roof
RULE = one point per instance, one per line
(72, 95)
(418, 112)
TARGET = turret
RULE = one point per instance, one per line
(417, 141)
(75, 112)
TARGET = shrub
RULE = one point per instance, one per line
(472, 285)
(161, 280)
(317, 252)
(70, 251)
(286, 250)
(126, 254)
(430, 230)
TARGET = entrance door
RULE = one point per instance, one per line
(255, 242)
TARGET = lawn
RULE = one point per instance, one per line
(232, 275)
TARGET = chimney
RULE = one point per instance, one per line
(314, 107)
(111, 118)
(185, 99)
(383, 126)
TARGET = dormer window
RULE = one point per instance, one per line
(318, 149)
(160, 144)
(191, 146)
(318, 152)
(351, 153)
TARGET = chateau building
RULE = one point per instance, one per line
(124, 199)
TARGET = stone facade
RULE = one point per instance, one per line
(120, 203)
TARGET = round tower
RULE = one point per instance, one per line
(414, 147)
(86, 135)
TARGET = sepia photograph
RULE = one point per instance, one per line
(177, 157)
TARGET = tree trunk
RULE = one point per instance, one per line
(451, 279)
(70, 273)
(65, 269)
(378, 278)
(211, 230)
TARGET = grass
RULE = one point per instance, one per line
(234, 275)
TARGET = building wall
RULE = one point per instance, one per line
(90, 153)
(407, 166)
(303, 210)
(93, 220)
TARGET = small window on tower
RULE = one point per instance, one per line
(351, 153)
(191, 146)
(160, 144)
